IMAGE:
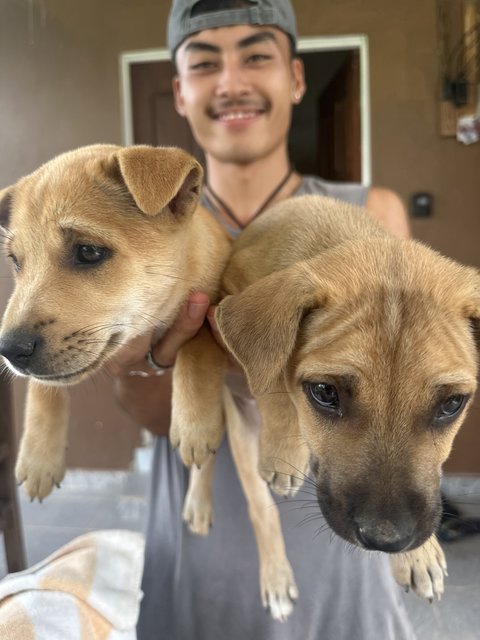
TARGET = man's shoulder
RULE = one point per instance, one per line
(347, 191)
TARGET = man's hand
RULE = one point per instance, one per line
(147, 399)
(131, 357)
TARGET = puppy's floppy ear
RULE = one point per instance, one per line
(158, 177)
(472, 309)
(260, 324)
(5, 206)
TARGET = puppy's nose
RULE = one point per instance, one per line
(384, 536)
(18, 347)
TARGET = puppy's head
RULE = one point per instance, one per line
(95, 238)
(375, 343)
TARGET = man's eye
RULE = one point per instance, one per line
(204, 65)
(89, 255)
(323, 397)
(450, 408)
(258, 57)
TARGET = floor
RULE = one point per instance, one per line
(104, 500)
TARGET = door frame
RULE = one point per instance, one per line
(304, 45)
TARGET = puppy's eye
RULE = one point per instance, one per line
(89, 255)
(16, 263)
(450, 408)
(323, 397)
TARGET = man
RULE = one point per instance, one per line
(237, 81)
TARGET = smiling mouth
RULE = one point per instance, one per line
(232, 116)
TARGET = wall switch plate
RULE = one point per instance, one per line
(421, 205)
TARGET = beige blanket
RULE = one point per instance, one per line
(87, 590)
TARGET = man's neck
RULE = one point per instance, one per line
(244, 188)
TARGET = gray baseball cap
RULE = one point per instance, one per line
(181, 22)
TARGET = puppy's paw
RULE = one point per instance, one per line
(283, 484)
(196, 439)
(421, 570)
(39, 474)
(195, 445)
(285, 471)
(278, 590)
(198, 513)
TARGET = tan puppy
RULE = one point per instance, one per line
(106, 243)
(360, 350)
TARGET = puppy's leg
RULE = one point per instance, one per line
(277, 584)
(198, 505)
(422, 569)
(284, 455)
(41, 459)
(197, 426)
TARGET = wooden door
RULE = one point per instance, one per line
(155, 120)
(339, 135)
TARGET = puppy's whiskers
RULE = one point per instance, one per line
(301, 474)
(5, 235)
(153, 271)
(308, 519)
(155, 321)
(6, 372)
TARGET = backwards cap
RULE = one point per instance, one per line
(182, 24)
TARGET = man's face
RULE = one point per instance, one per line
(236, 86)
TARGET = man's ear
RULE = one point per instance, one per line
(299, 86)
(159, 177)
(177, 95)
(260, 325)
(5, 206)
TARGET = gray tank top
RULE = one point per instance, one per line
(310, 185)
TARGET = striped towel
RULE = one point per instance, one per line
(87, 590)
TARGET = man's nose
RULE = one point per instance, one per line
(232, 81)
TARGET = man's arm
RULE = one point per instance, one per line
(388, 209)
(147, 399)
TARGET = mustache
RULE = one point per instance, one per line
(227, 104)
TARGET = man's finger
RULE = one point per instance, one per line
(214, 327)
(129, 355)
(186, 326)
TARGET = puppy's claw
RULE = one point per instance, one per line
(198, 510)
(293, 593)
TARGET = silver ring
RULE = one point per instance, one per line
(158, 368)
